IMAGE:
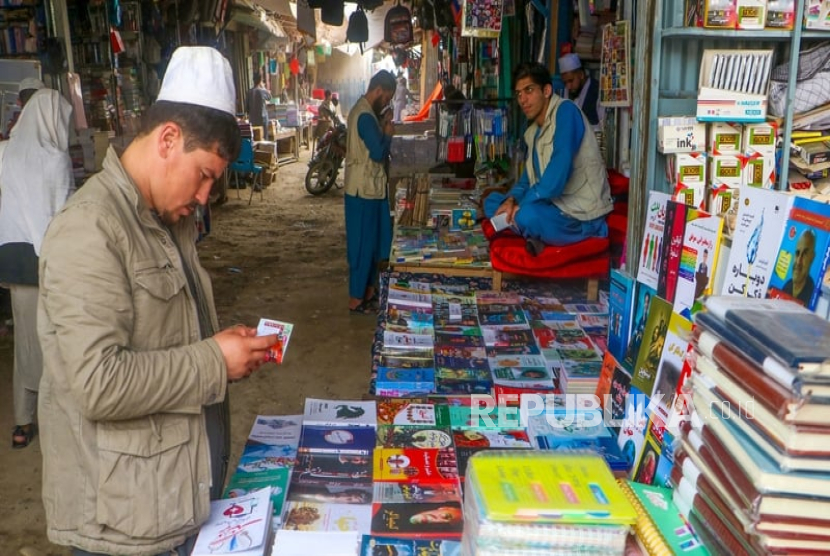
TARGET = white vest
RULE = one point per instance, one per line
(365, 178)
(587, 194)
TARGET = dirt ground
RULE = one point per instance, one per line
(282, 257)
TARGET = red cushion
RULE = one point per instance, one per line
(587, 258)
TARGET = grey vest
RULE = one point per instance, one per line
(587, 194)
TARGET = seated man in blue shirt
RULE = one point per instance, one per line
(562, 196)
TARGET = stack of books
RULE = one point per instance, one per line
(756, 458)
(267, 459)
(533, 503)
(331, 485)
(417, 493)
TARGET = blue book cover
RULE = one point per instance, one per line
(338, 440)
(414, 380)
(373, 545)
(802, 258)
(606, 446)
(620, 308)
(638, 325)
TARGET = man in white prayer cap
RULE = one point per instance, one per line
(133, 410)
(25, 89)
(582, 89)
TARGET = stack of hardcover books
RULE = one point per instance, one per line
(535, 503)
(755, 462)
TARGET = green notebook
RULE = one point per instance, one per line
(660, 528)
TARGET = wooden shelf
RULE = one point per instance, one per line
(700, 32)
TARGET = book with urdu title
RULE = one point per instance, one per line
(548, 487)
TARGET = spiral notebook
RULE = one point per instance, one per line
(660, 528)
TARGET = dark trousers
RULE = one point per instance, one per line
(182, 550)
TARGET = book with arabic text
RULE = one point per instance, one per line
(238, 526)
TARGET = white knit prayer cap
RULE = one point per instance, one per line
(569, 62)
(199, 75)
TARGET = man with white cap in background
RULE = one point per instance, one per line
(133, 407)
(26, 89)
(582, 89)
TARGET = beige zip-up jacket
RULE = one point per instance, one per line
(126, 378)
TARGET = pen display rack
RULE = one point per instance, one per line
(455, 133)
(472, 131)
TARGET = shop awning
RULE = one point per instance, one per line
(257, 19)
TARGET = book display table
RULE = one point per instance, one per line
(435, 230)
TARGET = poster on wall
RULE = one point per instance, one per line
(615, 69)
(482, 18)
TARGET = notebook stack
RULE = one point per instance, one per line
(537, 503)
(755, 463)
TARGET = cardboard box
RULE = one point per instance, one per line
(759, 171)
(723, 201)
(817, 14)
(781, 14)
(265, 158)
(725, 138)
(751, 14)
(725, 170)
(680, 135)
(759, 138)
(814, 153)
(719, 14)
(689, 178)
(734, 85)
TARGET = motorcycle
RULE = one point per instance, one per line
(326, 161)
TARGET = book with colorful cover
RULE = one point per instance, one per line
(672, 249)
(651, 349)
(638, 328)
(373, 545)
(410, 382)
(312, 516)
(699, 258)
(276, 430)
(632, 433)
(277, 480)
(330, 492)
(671, 363)
(403, 493)
(239, 526)
(649, 268)
(622, 290)
(418, 520)
(414, 436)
(337, 440)
(326, 467)
(548, 487)
(803, 254)
(338, 413)
(412, 411)
(282, 330)
(762, 214)
(660, 527)
(262, 457)
(415, 466)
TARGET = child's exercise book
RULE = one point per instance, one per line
(283, 332)
(548, 487)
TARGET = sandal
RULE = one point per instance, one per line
(21, 437)
(363, 309)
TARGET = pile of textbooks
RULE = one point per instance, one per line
(535, 503)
